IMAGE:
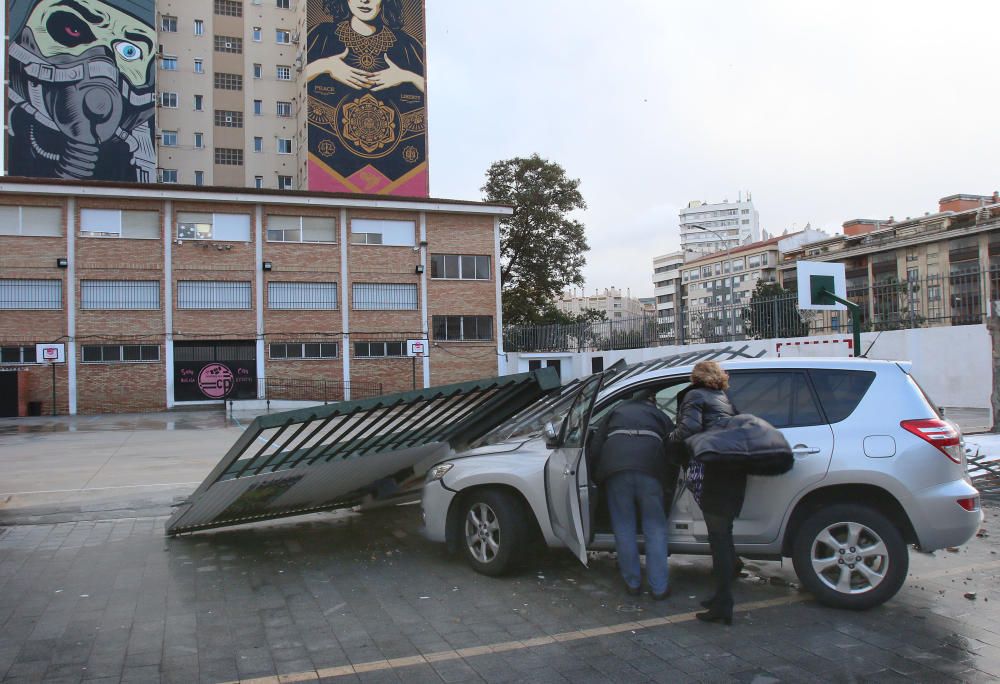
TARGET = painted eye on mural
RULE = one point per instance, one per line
(128, 51)
(68, 29)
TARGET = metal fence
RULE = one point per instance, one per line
(961, 298)
(325, 391)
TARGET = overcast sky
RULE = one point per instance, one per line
(825, 111)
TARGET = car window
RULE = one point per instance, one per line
(840, 391)
(577, 418)
(666, 400)
(784, 399)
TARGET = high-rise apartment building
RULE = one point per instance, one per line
(229, 79)
(707, 228)
(326, 95)
(667, 291)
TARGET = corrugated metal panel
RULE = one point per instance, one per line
(333, 456)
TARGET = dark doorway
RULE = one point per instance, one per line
(206, 371)
(8, 395)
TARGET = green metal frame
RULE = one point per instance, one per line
(455, 415)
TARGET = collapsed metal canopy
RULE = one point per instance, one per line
(334, 456)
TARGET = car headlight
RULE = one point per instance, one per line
(438, 471)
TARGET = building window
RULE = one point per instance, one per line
(284, 145)
(258, 107)
(168, 100)
(258, 144)
(229, 8)
(199, 140)
(224, 81)
(199, 103)
(168, 175)
(199, 177)
(284, 73)
(285, 183)
(384, 296)
(119, 294)
(284, 109)
(199, 27)
(282, 4)
(18, 355)
(293, 351)
(282, 36)
(30, 294)
(168, 24)
(115, 223)
(120, 353)
(228, 156)
(168, 63)
(256, 34)
(258, 182)
(301, 229)
(302, 296)
(382, 232)
(38, 221)
(228, 119)
(230, 44)
(258, 71)
(225, 227)
(168, 138)
(366, 350)
(456, 328)
(199, 66)
(213, 294)
(460, 266)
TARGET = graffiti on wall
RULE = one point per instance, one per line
(81, 97)
(367, 97)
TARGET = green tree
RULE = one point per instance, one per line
(541, 247)
(772, 312)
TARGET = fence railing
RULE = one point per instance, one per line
(305, 389)
(960, 298)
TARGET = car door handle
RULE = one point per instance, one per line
(568, 471)
(803, 450)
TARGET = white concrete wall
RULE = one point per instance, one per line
(952, 364)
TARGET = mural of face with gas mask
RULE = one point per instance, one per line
(81, 94)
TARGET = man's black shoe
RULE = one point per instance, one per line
(633, 591)
(661, 597)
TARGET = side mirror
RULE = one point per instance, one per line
(551, 436)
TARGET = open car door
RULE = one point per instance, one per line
(567, 482)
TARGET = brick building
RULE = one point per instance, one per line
(170, 296)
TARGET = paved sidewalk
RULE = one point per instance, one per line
(91, 591)
(352, 597)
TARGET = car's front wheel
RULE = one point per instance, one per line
(850, 556)
(495, 531)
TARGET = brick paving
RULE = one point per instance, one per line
(348, 597)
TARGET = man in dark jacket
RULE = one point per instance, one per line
(632, 467)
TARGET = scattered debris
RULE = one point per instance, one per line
(952, 549)
(982, 533)
(971, 595)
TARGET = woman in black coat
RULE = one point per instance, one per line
(718, 489)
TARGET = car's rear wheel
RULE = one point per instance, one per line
(850, 556)
(495, 531)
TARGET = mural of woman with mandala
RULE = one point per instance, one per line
(367, 105)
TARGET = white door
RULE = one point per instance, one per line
(566, 480)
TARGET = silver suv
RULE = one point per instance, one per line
(876, 469)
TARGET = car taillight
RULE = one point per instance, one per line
(969, 503)
(942, 434)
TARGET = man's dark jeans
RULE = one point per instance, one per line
(625, 490)
(720, 536)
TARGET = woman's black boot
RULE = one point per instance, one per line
(717, 614)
